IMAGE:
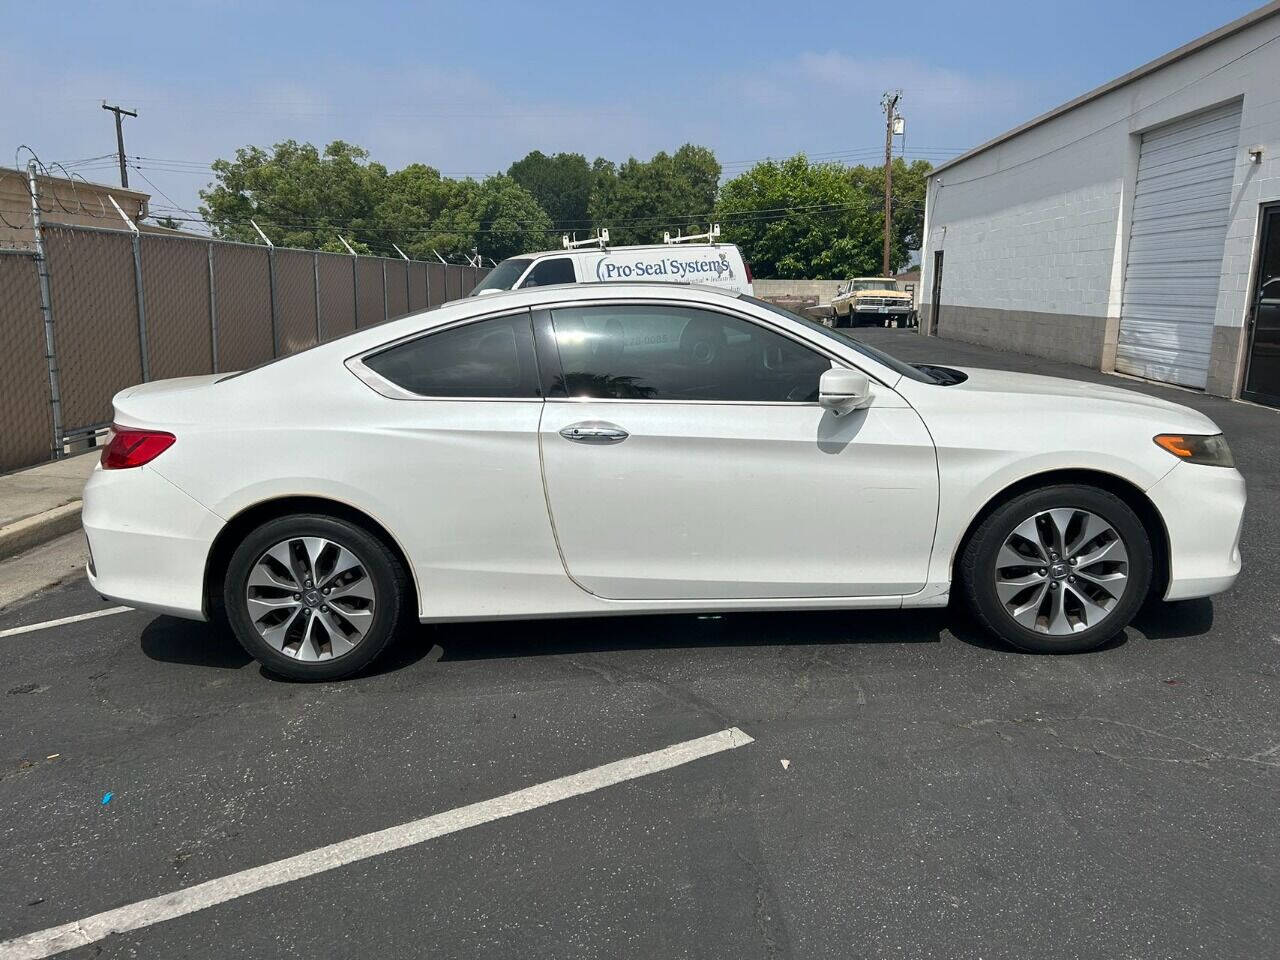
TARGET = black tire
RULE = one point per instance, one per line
(388, 577)
(977, 567)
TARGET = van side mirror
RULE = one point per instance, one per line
(842, 391)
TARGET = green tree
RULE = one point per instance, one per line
(796, 219)
(300, 196)
(640, 200)
(561, 185)
(423, 212)
(508, 219)
(910, 181)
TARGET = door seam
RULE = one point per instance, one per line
(551, 517)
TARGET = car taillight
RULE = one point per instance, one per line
(133, 448)
(747, 267)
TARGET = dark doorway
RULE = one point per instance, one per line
(1262, 378)
(935, 308)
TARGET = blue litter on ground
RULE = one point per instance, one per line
(106, 798)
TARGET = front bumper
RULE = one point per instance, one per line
(878, 309)
(148, 540)
(1203, 509)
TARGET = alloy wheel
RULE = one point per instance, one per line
(310, 598)
(1061, 571)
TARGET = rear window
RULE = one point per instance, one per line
(489, 358)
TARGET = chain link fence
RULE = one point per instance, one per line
(129, 307)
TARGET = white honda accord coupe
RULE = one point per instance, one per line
(640, 448)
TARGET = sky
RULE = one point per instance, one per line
(471, 87)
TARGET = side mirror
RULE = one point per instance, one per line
(842, 391)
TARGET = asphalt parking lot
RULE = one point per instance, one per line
(909, 789)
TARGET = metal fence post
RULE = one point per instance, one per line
(408, 280)
(385, 309)
(271, 288)
(355, 284)
(315, 270)
(213, 312)
(46, 314)
(143, 350)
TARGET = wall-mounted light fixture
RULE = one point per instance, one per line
(1255, 154)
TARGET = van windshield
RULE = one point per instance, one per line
(504, 275)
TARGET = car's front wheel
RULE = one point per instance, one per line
(1061, 569)
(313, 597)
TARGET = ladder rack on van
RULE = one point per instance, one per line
(712, 235)
(601, 241)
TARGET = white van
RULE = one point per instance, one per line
(713, 264)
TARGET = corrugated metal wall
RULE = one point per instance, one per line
(1181, 210)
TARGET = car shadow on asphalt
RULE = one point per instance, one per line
(483, 641)
(189, 642)
(171, 640)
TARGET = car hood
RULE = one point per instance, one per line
(1055, 391)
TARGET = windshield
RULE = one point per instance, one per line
(879, 356)
(503, 276)
(874, 285)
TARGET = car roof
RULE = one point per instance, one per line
(624, 249)
(599, 290)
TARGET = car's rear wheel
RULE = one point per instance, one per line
(1061, 569)
(313, 597)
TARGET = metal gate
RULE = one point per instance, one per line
(1181, 209)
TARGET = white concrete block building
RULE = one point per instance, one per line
(1128, 229)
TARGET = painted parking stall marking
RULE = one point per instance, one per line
(144, 913)
(62, 621)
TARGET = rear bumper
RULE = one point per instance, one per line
(1203, 508)
(148, 540)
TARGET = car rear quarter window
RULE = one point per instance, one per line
(680, 353)
(489, 358)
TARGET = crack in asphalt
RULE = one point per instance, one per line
(1210, 754)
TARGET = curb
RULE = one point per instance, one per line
(33, 531)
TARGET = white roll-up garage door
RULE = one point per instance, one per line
(1181, 209)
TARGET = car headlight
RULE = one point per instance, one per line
(1212, 451)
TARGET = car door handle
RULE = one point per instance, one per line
(594, 431)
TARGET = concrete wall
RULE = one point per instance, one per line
(1036, 227)
(61, 201)
(824, 290)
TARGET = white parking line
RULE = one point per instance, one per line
(46, 943)
(14, 631)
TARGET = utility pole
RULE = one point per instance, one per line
(890, 104)
(121, 112)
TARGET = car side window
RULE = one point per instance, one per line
(547, 272)
(680, 353)
(491, 358)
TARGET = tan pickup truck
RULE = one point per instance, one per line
(872, 300)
